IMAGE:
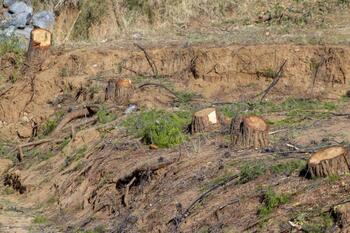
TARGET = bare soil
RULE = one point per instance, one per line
(105, 177)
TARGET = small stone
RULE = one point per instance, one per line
(20, 7)
(8, 3)
(44, 20)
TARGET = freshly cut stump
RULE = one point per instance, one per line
(39, 45)
(203, 120)
(330, 161)
(249, 132)
(123, 91)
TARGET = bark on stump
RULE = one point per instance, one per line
(203, 120)
(249, 132)
(39, 45)
(342, 214)
(330, 161)
(123, 91)
(110, 90)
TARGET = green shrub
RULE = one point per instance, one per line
(271, 200)
(161, 128)
(250, 172)
(51, 123)
(289, 167)
(40, 220)
(11, 45)
(104, 116)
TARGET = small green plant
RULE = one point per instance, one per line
(322, 223)
(250, 172)
(288, 168)
(51, 123)
(161, 128)
(64, 72)
(8, 190)
(40, 220)
(11, 45)
(184, 97)
(75, 157)
(104, 116)
(333, 178)
(271, 201)
(268, 73)
(64, 143)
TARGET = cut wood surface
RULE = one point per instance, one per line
(249, 132)
(330, 161)
(203, 120)
(39, 45)
(123, 91)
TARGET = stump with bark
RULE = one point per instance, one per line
(110, 90)
(123, 91)
(249, 132)
(39, 45)
(330, 161)
(342, 215)
(203, 120)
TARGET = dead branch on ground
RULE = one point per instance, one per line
(274, 82)
(158, 85)
(149, 60)
(178, 219)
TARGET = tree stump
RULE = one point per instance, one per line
(203, 120)
(249, 132)
(110, 90)
(123, 91)
(342, 215)
(39, 45)
(330, 161)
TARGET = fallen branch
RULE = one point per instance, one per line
(158, 85)
(20, 155)
(126, 194)
(274, 82)
(149, 60)
(178, 219)
(70, 117)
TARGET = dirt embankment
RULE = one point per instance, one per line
(219, 74)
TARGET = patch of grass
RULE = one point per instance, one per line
(250, 172)
(296, 110)
(142, 6)
(161, 128)
(271, 201)
(104, 116)
(217, 181)
(322, 223)
(64, 143)
(185, 97)
(98, 229)
(64, 72)
(8, 190)
(75, 157)
(11, 46)
(52, 200)
(40, 220)
(333, 178)
(91, 14)
(268, 73)
(51, 123)
(288, 168)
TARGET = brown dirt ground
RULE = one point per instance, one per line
(86, 193)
